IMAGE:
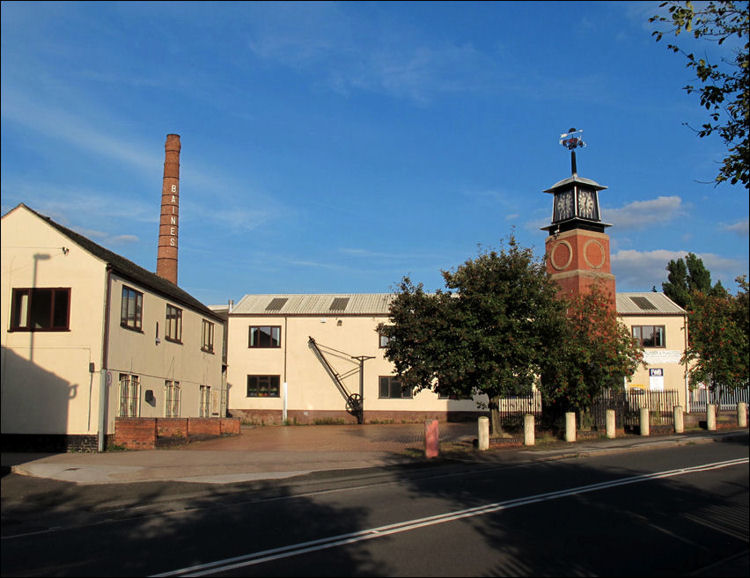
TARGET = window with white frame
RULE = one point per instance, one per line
(172, 398)
(130, 395)
(205, 408)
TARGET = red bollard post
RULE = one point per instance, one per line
(431, 438)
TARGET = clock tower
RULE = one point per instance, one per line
(577, 248)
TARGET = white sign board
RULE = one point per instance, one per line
(656, 379)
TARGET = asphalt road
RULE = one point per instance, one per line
(662, 512)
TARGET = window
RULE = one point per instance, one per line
(172, 399)
(262, 386)
(205, 408)
(268, 336)
(384, 339)
(390, 387)
(207, 337)
(649, 335)
(131, 313)
(130, 394)
(173, 331)
(40, 310)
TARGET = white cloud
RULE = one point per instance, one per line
(640, 270)
(642, 214)
(742, 228)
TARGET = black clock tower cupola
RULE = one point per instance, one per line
(575, 199)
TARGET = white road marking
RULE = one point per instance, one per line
(408, 525)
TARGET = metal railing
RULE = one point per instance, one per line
(627, 406)
(726, 400)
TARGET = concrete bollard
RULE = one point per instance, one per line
(644, 421)
(528, 429)
(484, 433)
(431, 438)
(679, 421)
(711, 417)
(742, 414)
(570, 426)
(611, 433)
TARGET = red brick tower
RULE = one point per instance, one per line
(577, 248)
(166, 259)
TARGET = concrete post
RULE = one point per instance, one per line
(644, 422)
(679, 423)
(611, 433)
(528, 429)
(570, 426)
(431, 438)
(742, 414)
(484, 433)
(711, 417)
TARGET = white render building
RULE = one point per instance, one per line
(88, 336)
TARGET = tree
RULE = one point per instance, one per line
(688, 277)
(719, 350)
(596, 353)
(725, 91)
(487, 334)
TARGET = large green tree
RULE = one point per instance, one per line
(687, 277)
(596, 352)
(724, 90)
(719, 351)
(487, 333)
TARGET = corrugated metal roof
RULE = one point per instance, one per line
(320, 304)
(647, 303)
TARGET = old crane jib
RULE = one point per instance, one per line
(354, 401)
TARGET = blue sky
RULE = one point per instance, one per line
(337, 147)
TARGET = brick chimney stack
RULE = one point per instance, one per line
(166, 259)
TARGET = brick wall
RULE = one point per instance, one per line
(172, 427)
(146, 433)
(229, 425)
(203, 426)
(274, 417)
(135, 433)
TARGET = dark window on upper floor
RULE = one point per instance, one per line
(650, 335)
(265, 336)
(131, 312)
(40, 309)
(173, 329)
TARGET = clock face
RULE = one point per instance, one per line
(586, 204)
(564, 206)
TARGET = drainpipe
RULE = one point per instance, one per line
(103, 385)
(687, 385)
(285, 385)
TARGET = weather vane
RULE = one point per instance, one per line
(572, 140)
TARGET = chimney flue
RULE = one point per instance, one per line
(166, 259)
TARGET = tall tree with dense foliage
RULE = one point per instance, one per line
(719, 350)
(488, 333)
(596, 353)
(688, 277)
(725, 90)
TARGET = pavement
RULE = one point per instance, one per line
(279, 452)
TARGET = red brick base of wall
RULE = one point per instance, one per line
(144, 433)
(312, 417)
